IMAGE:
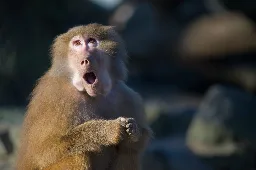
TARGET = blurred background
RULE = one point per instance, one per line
(193, 61)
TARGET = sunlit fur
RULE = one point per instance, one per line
(112, 44)
(68, 129)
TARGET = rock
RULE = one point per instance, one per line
(172, 123)
(222, 130)
(5, 139)
(172, 153)
(169, 113)
(152, 50)
(178, 157)
(219, 35)
(11, 118)
(154, 161)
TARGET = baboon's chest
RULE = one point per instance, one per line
(108, 109)
(98, 109)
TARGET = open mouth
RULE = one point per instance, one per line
(90, 77)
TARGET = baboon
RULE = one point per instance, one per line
(81, 114)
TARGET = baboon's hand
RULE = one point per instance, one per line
(131, 128)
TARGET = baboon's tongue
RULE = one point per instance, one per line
(90, 78)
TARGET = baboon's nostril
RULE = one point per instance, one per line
(85, 62)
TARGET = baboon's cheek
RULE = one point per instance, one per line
(77, 82)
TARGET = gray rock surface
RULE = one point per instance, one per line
(178, 157)
(222, 131)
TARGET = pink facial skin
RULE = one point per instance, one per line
(89, 65)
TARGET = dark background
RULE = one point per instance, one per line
(193, 61)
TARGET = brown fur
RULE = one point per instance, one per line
(68, 129)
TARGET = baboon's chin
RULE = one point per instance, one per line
(95, 91)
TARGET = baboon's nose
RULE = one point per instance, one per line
(85, 62)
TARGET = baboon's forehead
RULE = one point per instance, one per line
(93, 30)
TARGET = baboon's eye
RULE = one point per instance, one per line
(77, 43)
(92, 42)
